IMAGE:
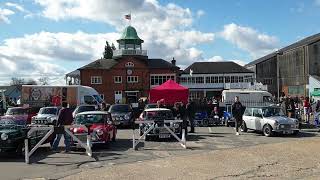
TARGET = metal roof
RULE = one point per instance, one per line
(305, 41)
(222, 67)
(130, 33)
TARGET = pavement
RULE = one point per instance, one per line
(48, 165)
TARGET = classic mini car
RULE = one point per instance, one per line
(12, 135)
(122, 113)
(100, 126)
(46, 115)
(158, 115)
(269, 120)
(20, 113)
(84, 108)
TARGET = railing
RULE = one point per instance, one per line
(121, 52)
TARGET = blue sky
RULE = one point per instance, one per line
(49, 38)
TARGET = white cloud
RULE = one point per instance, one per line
(16, 6)
(166, 29)
(39, 54)
(4, 14)
(317, 2)
(219, 59)
(200, 13)
(249, 39)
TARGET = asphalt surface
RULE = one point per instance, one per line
(48, 165)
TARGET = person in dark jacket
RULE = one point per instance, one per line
(190, 114)
(237, 112)
(64, 118)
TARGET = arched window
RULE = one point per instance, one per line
(129, 64)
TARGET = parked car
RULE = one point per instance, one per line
(159, 131)
(46, 115)
(12, 135)
(100, 126)
(20, 113)
(122, 113)
(269, 120)
(84, 108)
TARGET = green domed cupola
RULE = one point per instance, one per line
(130, 39)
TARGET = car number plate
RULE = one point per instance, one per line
(164, 136)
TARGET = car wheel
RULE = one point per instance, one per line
(147, 138)
(295, 133)
(267, 130)
(244, 127)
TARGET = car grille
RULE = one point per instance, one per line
(40, 121)
(82, 137)
(285, 126)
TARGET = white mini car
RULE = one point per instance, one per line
(269, 120)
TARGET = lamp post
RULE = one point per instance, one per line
(278, 73)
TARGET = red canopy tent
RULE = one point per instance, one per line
(171, 92)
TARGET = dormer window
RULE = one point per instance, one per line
(138, 46)
(129, 64)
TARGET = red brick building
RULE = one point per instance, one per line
(128, 74)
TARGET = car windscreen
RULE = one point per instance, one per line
(159, 115)
(98, 98)
(48, 111)
(120, 108)
(86, 108)
(91, 118)
(5, 122)
(272, 111)
(16, 111)
(149, 106)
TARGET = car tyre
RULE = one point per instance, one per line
(244, 127)
(295, 133)
(267, 130)
(147, 138)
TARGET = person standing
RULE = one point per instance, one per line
(237, 112)
(64, 118)
(190, 114)
(307, 109)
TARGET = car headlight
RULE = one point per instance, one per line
(127, 117)
(75, 130)
(176, 125)
(99, 132)
(276, 123)
(292, 126)
(4, 136)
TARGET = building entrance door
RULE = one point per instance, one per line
(132, 97)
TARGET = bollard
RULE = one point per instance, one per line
(184, 138)
(133, 141)
(89, 145)
(26, 150)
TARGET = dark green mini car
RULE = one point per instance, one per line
(12, 135)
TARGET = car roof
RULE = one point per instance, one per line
(51, 107)
(93, 112)
(157, 109)
(87, 105)
(273, 106)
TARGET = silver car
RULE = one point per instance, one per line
(46, 116)
(269, 120)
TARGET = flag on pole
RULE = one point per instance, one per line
(127, 16)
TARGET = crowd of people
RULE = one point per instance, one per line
(300, 108)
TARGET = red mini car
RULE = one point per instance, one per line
(100, 125)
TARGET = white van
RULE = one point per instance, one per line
(247, 97)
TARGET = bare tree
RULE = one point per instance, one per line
(43, 80)
(17, 81)
(31, 82)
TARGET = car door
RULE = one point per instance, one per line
(247, 117)
(257, 115)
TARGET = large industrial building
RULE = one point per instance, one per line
(287, 71)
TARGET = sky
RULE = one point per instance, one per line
(49, 38)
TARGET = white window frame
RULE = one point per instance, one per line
(132, 79)
(129, 64)
(163, 78)
(115, 79)
(96, 80)
(102, 96)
